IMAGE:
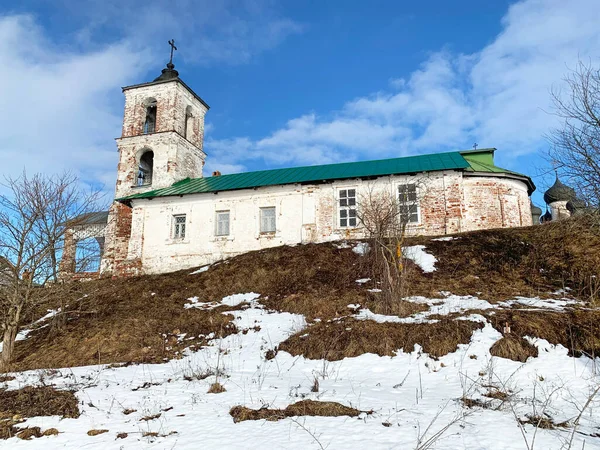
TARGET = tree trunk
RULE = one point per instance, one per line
(8, 346)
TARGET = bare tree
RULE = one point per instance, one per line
(575, 146)
(386, 218)
(35, 213)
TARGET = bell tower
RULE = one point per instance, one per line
(160, 144)
(162, 135)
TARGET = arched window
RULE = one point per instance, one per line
(188, 122)
(150, 122)
(145, 169)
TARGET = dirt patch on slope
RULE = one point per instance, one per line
(503, 263)
(350, 337)
(577, 330)
(142, 319)
(301, 408)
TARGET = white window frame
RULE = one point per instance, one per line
(218, 215)
(409, 203)
(262, 229)
(178, 229)
(346, 207)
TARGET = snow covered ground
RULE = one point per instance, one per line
(415, 399)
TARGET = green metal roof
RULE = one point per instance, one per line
(327, 172)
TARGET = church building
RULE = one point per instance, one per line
(168, 216)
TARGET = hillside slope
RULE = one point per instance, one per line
(288, 347)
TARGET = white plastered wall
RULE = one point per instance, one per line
(304, 213)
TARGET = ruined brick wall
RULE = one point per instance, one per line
(495, 202)
(66, 267)
(115, 259)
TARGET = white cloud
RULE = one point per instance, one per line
(62, 107)
(497, 97)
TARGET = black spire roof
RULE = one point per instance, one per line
(169, 73)
(547, 217)
(559, 192)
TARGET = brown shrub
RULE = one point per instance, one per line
(38, 401)
(50, 432)
(515, 348)
(30, 432)
(349, 338)
(216, 388)
(301, 408)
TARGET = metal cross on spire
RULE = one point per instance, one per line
(172, 44)
(475, 146)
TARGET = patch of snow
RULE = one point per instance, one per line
(363, 280)
(374, 290)
(353, 306)
(236, 299)
(230, 300)
(410, 391)
(342, 245)
(449, 305)
(417, 254)
(446, 238)
(200, 270)
(362, 248)
(536, 302)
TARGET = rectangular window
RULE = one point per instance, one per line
(408, 203)
(267, 220)
(347, 207)
(179, 226)
(222, 223)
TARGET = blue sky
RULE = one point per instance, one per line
(292, 83)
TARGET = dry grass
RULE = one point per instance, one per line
(216, 388)
(96, 432)
(137, 319)
(577, 330)
(546, 422)
(349, 338)
(515, 348)
(301, 408)
(16, 405)
(38, 401)
(504, 263)
(475, 403)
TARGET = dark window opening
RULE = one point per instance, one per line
(150, 122)
(145, 168)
